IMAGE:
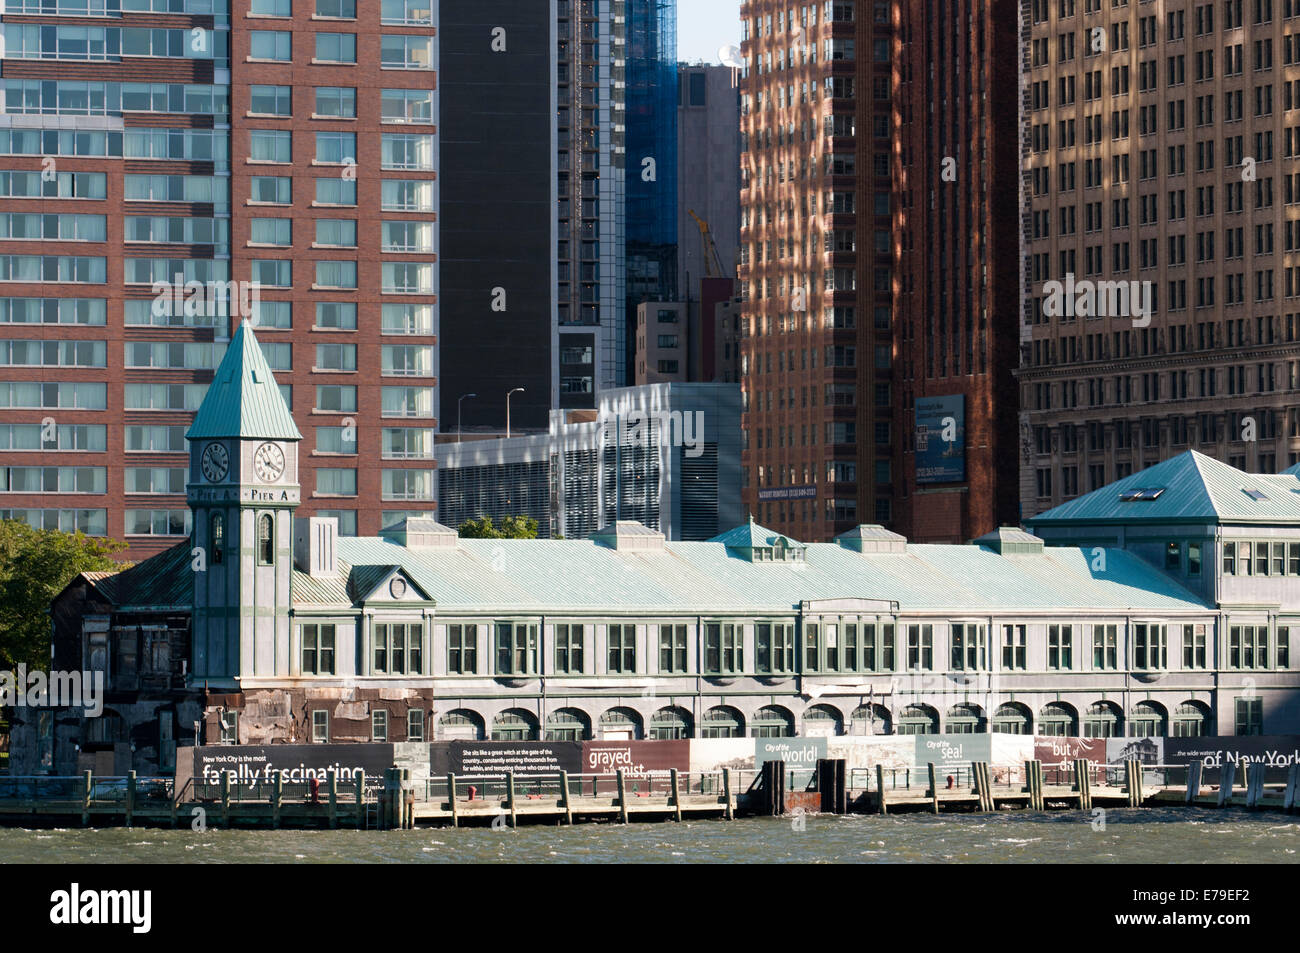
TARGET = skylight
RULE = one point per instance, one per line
(1141, 494)
(1256, 494)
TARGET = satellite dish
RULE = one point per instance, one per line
(730, 56)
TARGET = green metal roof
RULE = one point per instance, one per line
(243, 399)
(559, 577)
(750, 536)
(1195, 488)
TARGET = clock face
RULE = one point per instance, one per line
(268, 463)
(215, 463)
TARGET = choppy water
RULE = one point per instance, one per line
(1152, 836)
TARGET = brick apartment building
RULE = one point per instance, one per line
(294, 146)
(814, 268)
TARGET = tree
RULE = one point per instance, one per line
(35, 565)
(512, 527)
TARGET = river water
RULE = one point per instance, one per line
(1149, 836)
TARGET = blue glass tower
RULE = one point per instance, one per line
(651, 191)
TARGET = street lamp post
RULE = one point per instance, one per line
(463, 397)
(517, 390)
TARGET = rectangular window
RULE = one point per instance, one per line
(621, 649)
(1105, 647)
(722, 648)
(920, 647)
(1249, 716)
(398, 649)
(318, 649)
(379, 725)
(336, 102)
(569, 642)
(1060, 646)
(968, 647)
(462, 649)
(516, 644)
(1194, 647)
(1149, 646)
(1013, 648)
(336, 48)
(775, 648)
(320, 726)
(270, 45)
(415, 724)
(672, 649)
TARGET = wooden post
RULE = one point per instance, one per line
(677, 796)
(1254, 784)
(1227, 775)
(1193, 782)
(130, 796)
(1135, 789)
(1292, 780)
(510, 797)
(277, 799)
(1081, 781)
(361, 798)
(728, 813)
(334, 798)
(934, 788)
(622, 795)
(564, 798)
(880, 789)
(87, 787)
(451, 799)
(226, 777)
(981, 783)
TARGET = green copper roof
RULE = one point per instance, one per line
(555, 577)
(243, 399)
(750, 536)
(1190, 487)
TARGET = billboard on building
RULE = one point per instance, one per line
(941, 439)
(470, 758)
(301, 764)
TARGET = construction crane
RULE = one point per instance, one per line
(711, 256)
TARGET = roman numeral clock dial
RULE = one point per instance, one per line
(268, 463)
(215, 463)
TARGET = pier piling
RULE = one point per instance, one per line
(510, 797)
(1193, 782)
(729, 812)
(361, 798)
(622, 795)
(1227, 777)
(88, 785)
(677, 797)
(226, 777)
(934, 787)
(277, 798)
(130, 797)
(1292, 780)
(334, 799)
(451, 800)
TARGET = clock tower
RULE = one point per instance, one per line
(243, 490)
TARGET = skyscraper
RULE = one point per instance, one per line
(815, 264)
(1160, 239)
(591, 85)
(956, 231)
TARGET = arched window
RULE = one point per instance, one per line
(620, 724)
(265, 540)
(670, 723)
(1103, 720)
(722, 721)
(822, 721)
(966, 720)
(460, 725)
(1058, 720)
(218, 541)
(871, 720)
(1012, 718)
(567, 724)
(1191, 719)
(514, 725)
(1148, 720)
(773, 721)
(918, 720)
